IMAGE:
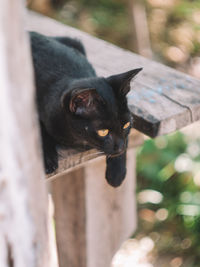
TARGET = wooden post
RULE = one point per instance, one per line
(23, 196)
(70, 218)
(138, 19)
(92, 218)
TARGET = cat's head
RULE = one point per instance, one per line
(97, 112)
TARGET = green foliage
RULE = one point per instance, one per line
(168, 171)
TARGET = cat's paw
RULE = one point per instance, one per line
(115, 171)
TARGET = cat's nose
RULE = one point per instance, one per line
(119, 147)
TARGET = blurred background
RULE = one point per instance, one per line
(168, 167)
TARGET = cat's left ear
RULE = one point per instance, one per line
(121, 82)
(83, 102)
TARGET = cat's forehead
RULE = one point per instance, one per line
(108, 119)
(109, 105)
(106, 92)
(115, 108)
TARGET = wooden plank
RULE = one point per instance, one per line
(162, 99)
(92, 218)
(23, 196)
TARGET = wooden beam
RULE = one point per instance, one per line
(70, 218)
(23, 196)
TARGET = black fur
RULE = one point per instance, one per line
(73, 104)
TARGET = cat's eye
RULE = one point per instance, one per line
(103, 132)
(126, 125)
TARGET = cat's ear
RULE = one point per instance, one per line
(82, 101)
(121, 82)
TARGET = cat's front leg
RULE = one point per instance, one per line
(50, 154)
(116, 169)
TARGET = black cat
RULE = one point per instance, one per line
(76, 108)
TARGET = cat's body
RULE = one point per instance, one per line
(76, 108)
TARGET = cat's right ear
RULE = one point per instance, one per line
(81, 102)
(121, 82)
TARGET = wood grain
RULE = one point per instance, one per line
(162, 99)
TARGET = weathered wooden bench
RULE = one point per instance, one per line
(91, 218)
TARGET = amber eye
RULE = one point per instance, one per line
(103, 132)
(126, 125)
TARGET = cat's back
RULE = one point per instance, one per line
(57, 58)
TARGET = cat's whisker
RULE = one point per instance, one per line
(97, 153)
(92, 155)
